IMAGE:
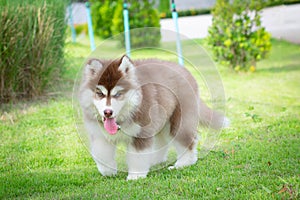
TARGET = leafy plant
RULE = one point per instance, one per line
(107, 19)
(164, 7)
(102, 14)
(183, 13)
(236, 36)
(141, 15)
(254, 117)
(280, 2)
(81, 28)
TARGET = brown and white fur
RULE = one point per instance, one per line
(156, 103)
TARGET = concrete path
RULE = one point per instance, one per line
(282, 22)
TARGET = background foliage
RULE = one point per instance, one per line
(280, 2)
(32, 38)
(184, 13)
(102, 14)
(236, 36)
(108, 20)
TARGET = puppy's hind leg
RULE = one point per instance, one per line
(186, 155)
(184, 133)
(161, 146)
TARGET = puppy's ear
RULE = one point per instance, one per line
(92, 67)
(126, 65)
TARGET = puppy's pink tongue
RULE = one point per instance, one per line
(111, 126)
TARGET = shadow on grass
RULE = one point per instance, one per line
(287, 68)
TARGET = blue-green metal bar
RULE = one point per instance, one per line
(178, 43)
(126, 28)
(90, 26)
(72, 24)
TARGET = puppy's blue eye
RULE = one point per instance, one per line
(118, 94)
(99, 93)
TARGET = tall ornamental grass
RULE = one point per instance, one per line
(32, 34)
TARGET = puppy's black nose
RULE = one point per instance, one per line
(108, 113)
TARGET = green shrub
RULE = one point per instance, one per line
(32, 38)
(164, 7)
(102, 14)
(81, 29)
(141, 15)
(236, 36)
(183, 13)
(280, 2)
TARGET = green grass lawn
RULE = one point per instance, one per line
(258, 157)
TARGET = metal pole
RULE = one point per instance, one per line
(126, 28)
(72, 24)
(178, 43)
(90, 26)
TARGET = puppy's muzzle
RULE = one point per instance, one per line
(108, 113)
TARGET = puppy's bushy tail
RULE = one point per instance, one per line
(211, 118)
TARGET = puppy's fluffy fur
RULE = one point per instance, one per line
(153, 103)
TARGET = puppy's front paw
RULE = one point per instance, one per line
(135, 176)
(111, 172)
(171, 167)
(107, 171)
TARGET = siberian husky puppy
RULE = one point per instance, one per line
(147, 104)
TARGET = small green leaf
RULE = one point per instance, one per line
(251, 108)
